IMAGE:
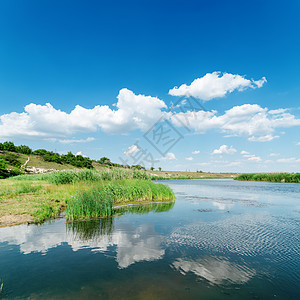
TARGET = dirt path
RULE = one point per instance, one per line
(26, 162)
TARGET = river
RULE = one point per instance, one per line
(222, 239)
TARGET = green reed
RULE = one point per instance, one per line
(65, 177)
(272, 177)
(88, 204)
(98, 200)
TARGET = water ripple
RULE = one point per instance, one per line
(261, 235)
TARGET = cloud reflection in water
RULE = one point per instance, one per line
(133, 243)
(214, 270)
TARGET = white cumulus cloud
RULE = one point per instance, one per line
(250, 120)
(216, 85)
(224, 150)
(244, 152)
(132, 150)
(132, 112)
(254, 158)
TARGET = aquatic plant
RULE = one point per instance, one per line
(87, 204)
(97, 200)
(272, 177)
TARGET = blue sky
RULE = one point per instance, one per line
(108, 69)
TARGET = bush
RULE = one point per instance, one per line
(9, 146)
(3, 172)
(12, 159)
(23, 149)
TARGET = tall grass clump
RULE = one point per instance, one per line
(66, 177)
(97, 200)
(138, 190)
(272, 177)
(88, 204)
(161, 192)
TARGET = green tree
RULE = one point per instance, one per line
(138, 167)
(9, 146)
(40, 152)
(23, 149)
(104, 161)
(159, 169)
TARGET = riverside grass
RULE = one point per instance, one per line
(65, 177)
(98, 201)
(44, 196)
(271, 177)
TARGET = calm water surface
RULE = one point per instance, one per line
(222, 239)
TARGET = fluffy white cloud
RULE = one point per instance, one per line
(224, 150)
(254, 158)
(132, 150)
(196, 152)
(244, 152)
(132, 112)
(189, 158)
(251, 157)
(216, 85)
(249, 120)
(80, 153)
(169, 156)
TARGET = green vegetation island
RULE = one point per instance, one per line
(39, 185)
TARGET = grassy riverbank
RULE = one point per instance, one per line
(272, 177)
(35, 198)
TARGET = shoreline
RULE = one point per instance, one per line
(37, 198)
(15, 220)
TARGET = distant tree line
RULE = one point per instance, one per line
(78, 161)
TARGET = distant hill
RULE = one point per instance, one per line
(15, 160)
